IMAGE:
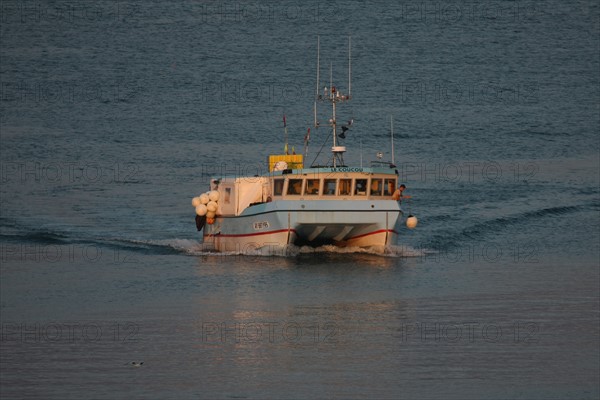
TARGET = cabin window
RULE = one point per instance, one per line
(329, 187)
(376, 187)
(294, 186)
(278, 187)
(390, 187)
(312, 186)
(361, 187)
(227, 196)
(345, 185)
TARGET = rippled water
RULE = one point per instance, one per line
(115, 114)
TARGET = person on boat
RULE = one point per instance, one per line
(361, 187)
(398, 196)
(389, 190)
(312, 187)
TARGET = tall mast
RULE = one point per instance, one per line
(330, 74)
(333, 95)
(332, 91)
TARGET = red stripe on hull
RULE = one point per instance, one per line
(251, 234)
(294, 231)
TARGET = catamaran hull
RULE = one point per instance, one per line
(271, 227)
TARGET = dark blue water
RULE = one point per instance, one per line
(115, 114)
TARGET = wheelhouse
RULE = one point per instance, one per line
(358, 184)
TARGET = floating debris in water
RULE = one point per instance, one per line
(135, 363)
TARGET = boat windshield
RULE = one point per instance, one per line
(329, 187)
(294, 186)
(378, 187)
(312, 186)
(361, 187)
(345, 185)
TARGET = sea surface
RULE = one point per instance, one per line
(114, 114)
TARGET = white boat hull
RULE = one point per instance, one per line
(273, 226)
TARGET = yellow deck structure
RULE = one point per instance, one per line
(294, 161)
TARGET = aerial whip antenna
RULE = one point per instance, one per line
(349, 66)
(318, 70)
(392, 134)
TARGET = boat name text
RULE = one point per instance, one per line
(347, 169)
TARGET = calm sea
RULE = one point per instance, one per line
(115, 114)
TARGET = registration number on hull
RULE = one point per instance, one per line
(261, 225)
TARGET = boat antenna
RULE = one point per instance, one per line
(330, 74)
(318, 70)
(392, 134)
(349, 66)
(361, 149)
(306, 140)
(285, 132)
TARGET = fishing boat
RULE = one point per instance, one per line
(291, 204)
